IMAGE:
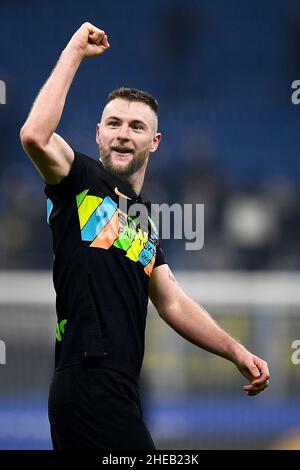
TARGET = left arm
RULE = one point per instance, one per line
(193, 323)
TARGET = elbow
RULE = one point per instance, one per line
(29, 139)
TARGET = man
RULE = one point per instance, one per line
(107, 263)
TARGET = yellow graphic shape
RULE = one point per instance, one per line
(137, 245)
(87, 207)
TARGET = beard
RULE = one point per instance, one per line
(123, 171)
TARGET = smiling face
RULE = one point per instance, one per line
(126, 135)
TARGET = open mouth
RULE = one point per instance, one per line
(122, 150)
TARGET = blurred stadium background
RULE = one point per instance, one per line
(222, 72)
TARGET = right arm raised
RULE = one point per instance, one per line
(50, 153)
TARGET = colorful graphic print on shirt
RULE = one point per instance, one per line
(105, 225)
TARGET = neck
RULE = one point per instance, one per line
(136, 180)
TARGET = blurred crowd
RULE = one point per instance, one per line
(222, 75)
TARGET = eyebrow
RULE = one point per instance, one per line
(134, 121)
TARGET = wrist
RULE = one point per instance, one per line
(234, 351)
(74, 52)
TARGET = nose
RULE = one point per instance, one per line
(123, 132)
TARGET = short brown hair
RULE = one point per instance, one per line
(133, 94)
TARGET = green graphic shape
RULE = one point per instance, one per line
(80, 197)
(60, 329)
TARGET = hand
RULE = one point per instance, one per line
(89, 40)
(255, 369)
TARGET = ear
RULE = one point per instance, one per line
(97, 132)
(155, 142)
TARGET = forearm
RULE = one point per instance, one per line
(47, 109)
(194, 323)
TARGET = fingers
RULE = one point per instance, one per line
(96, 35)
(255, 387)
(260, 376)
(91, 28)
(258, 369)
(254, 371)
(105, 41)
(263, 379)
(264, 374)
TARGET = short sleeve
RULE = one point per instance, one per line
(160, 257)
(73, 183)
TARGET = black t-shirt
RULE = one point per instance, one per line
(103, 260)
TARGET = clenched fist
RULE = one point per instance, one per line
(89, 40)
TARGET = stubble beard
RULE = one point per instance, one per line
(122, 171)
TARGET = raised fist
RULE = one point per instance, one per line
(89, 40)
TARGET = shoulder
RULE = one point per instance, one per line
(88, 162)
(84, 172)
(85, 168)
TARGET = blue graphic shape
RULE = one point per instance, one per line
(99, 219)
(49, 209)
(147, 253)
